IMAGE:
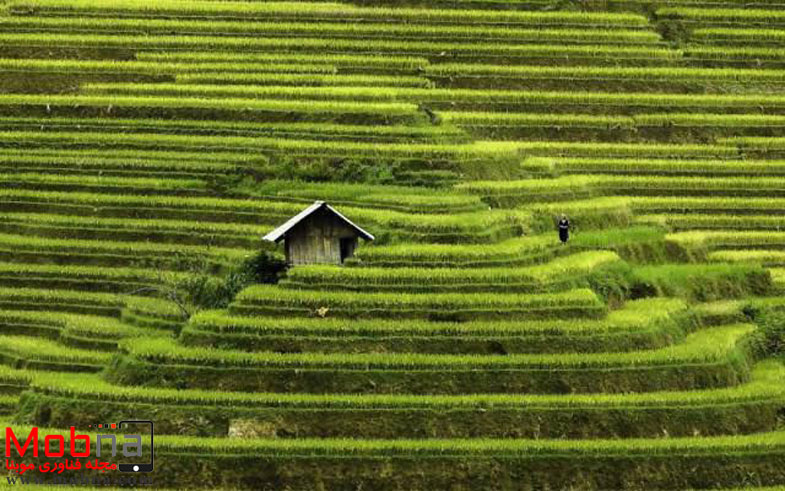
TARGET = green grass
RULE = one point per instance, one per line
(766, 257)
(763, 385)
(744, 37)
(198, 108)
(81, 331)
(707, 358)
(638, 127)
(511, 251)
(724, 16)
(336, 11)
(344, 62)
(473, 159)
(656, 167)
(380, 51)
(476, 50)
(704, 221)
(706, 282)
(406, 416)
(730, 238)
(124, 162)
(641, 324)
(557, 274)
(722, 340)
(624, 79)
(436, 459)
(408, 199)
(193, 232)
(103, 184)
(633, 315)
(262, 299)
(306, 130)
(619, 150)
(515, 193)
(121, 280)
(36, 353)
(464, 347)
(521, 104)
(304, 80)
(390, 225)
(735, 56)
(60, 301)
(519, 192)
(707, 205)
(18, 248)
(76, 67)
(381, 27)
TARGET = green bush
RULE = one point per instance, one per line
(772, 328)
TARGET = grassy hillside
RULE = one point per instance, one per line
(145, 148)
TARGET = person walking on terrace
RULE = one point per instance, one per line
(564, 229)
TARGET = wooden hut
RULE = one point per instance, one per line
(318, 235)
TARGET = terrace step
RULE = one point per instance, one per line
(515, 193)
(297, 131)
(748, 408)
(670, 127)
(426, 52)
(267, 299)
(102, 46)
(709, 358)
(350, 29)
(641, 324)
(734, 57)
(767, 257)
(560, 274)
(620, 79)
(82, 278)
(607, 225)
(13, 381)
(550, 166)
(242, 110)
(155, 313)
(709, 206)
(228, 235)
(79, 331)
(125, 163)
(475, 160)
(772, 37)
(729, 239)
(8, 404)
(169, 257)
(348, 65)
(40, 354)
(707, 221)
(91, 13)
(102, 304)
(178, 213)
(554, 104)
(511, 252)
(492, 463)
(104, 184)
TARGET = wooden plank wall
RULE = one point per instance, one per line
(317, 240)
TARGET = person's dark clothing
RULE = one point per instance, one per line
(564, 230)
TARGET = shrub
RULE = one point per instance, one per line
(772, 329)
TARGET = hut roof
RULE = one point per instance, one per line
(281, 231)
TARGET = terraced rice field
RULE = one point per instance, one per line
(146, 147)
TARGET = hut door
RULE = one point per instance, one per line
(347, 248)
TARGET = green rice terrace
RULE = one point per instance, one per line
(146, 147)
